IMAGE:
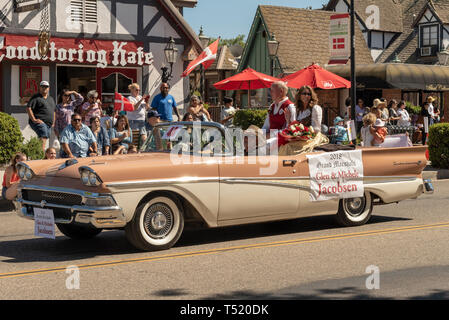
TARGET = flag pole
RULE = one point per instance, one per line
(353, 73)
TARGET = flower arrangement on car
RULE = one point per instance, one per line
(296, 131)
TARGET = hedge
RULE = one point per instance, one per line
(246, 117)
(438, 145)
(412, 109)
(10, 137)
(33, 149)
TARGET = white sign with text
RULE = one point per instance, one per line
(44, 223)
(336, 175)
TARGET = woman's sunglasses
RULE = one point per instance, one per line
(306, 94)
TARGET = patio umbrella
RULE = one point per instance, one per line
(316, 77)
(248, 79)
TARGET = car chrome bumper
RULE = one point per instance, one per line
(428, 186)
(100, 217)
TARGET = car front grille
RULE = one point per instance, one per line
(60, 198)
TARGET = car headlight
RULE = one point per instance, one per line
(24, 172)
(89, 177)
(100, 202)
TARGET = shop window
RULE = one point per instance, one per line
(115, 82)
(83, 11)
(80, 79)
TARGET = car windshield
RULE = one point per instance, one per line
(186, 138)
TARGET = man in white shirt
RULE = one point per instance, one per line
(282, 111)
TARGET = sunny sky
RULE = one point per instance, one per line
(229, 18)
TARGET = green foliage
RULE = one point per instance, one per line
(10, 137)
(412, 109)
(439, 145)
(239, 40)
(33, 149)
(246, 117)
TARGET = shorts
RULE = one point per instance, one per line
(136, 124)
(42, 129)
(4, 192)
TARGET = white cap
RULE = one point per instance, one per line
(379, 123)
(44, 84)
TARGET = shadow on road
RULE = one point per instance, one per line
(114, 243)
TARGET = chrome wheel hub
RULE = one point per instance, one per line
(158, 220)
(355, 206)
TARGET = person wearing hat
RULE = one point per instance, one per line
(228, 112)
(91, 108)
(341, 134)
(381, 104)
(41, 112)
(153, 118)
(380, 132)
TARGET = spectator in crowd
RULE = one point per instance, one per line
(309, 112)
(121, 135)
(381, 104)
(282, 111)
(376, 112)
(359, 113)
(76, 139)
(367, 131)
(91, 108)
(11, 178)
(165, 104)
(197, 110)
(110, 118)
(65, 108)
(50, 154)
(431, 110)
(437, 113)
(404, 117)
(187, 117)
(41, 113)
(136, 118)
(101, 135)
(153, 118)
(228, 112)
(380, 132)
(393, 112)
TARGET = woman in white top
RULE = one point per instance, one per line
(136, 118)
(404, 120)
(309, 112)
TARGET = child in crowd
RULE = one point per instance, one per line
(50, 154)
(367, 131)
(380, 132)
(340, 133)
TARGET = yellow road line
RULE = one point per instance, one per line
(222, 250)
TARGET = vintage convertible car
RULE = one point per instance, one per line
(178, 182)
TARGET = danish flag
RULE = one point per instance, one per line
(122, 104)
(206, 58)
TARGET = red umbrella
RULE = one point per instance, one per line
(248, 79)
(316, 77)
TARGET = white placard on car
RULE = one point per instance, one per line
(44, 223)
(172, 133)
(336, 175)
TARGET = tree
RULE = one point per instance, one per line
(239, 40)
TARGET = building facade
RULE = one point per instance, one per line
(101, 45)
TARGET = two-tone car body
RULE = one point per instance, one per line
(153, 194)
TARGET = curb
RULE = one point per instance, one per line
(435, 174)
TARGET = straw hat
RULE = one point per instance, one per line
(377, 103)
(430, 99)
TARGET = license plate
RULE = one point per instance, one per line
(44, 223)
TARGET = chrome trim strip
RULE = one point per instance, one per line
(269, 183)
(156, 182)
(71, 208)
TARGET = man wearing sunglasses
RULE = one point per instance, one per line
(76, 139)
(41, 113)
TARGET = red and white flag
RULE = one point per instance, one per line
(206, 58)
(122, 104)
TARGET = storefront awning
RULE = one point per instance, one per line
(398, 75)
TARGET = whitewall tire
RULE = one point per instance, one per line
(355, 211)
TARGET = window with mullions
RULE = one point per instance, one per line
(429, 35)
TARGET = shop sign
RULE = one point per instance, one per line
(339, 37)
(99, 52)
(336, 175)
(30, 78)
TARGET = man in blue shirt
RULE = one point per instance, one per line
(164, 103)
(76, 139)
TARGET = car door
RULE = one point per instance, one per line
(258, 187)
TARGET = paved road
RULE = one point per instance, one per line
(406, 243)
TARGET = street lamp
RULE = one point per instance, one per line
(443, 56)
(171, 55)
(273, 47)
(203, 39)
